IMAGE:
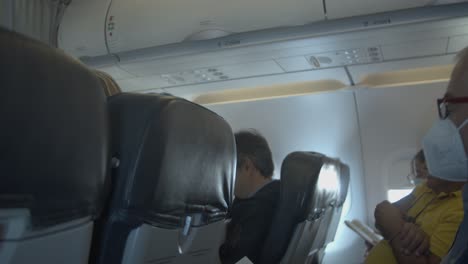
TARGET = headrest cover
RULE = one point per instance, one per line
(54, 137)
(176, 159)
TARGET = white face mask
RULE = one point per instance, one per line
(445, 153)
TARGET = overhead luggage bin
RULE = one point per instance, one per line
(133, 25)
(155, 23)
(339, 9)
(148, 64)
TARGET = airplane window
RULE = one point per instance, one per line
(395, 195)
(399, 166)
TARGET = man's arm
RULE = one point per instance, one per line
(389, 220)
(405, 203)
(397, 246)
(411, 244)
(403, 206)
(402, 237)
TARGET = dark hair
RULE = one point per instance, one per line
(253, 146)
(420, 156)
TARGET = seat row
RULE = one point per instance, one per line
(133, 178)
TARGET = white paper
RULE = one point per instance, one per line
(364, 231)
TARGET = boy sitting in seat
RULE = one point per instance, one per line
(421, 227)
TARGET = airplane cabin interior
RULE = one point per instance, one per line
(343, 91)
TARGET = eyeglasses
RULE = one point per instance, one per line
(443, 105)
(418, 173)
(412, 179)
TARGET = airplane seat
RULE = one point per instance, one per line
(173, 185)
(54, 153)
(332, 223)
(310, 184)
(108, 83)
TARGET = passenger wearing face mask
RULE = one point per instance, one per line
(424, 222)
(417, 177)
(446, 147)
(418, 169)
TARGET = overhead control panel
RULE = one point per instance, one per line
(339, 58)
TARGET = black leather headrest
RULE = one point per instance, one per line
(299, 176)
(176, 159)
(54, 132)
